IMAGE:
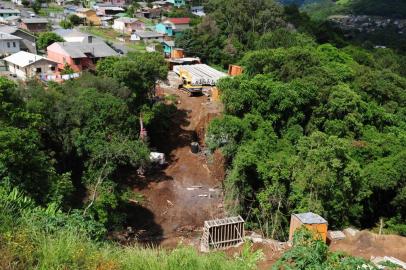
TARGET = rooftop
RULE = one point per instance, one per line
(310, 218)
(34, 20)
(8, 10)
(127, 20)
(6, 36)
(179, 20)
(24, 59)
(170, 43)
(147, 34)
(81, 49)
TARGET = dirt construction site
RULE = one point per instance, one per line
(178, 198)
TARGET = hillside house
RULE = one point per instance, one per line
(5, 13)
(27, 41)
(173, 26)
(117, 3)
(177, 3)
(79, 55)
(25, 65)
(168, 47)
(312, 222)
(147, 36)
(34, 25)
(73, 35)
(128, 25)
(9, 44)
(88, 16)
(197, 10)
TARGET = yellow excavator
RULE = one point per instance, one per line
(187, 85)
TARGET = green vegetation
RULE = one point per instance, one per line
(308, 253)
(45, 238)
(47, 38)
(312, 127)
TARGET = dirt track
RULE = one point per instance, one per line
(184, 194)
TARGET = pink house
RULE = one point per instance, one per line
(79, 55)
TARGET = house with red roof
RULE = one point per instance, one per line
(173, 26)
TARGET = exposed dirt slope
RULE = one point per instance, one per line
(184, 194)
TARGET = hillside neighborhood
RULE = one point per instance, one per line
(80, 49)
(202, 134)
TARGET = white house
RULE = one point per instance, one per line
(9, 44)
(5, 13)
(128, 25)
(25, 65)
(147, 36)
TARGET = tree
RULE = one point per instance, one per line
(74, 19)
(47, 38)
(66, 24)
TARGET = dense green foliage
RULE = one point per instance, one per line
(66, 143)
(308, 253)
(46, 238)
(47, 38)
(314, 128)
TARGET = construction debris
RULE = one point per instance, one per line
(350, 232)
(335, 235)
(379, 260)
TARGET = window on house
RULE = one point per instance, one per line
(8, 44)
(38, 70)
(53, 68)
(14, 44)
(76, 61)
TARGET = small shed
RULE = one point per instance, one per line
(311, 221)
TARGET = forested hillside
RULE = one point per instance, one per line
(316, 122)
(308, 126)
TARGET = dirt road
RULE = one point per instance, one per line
(184, 194)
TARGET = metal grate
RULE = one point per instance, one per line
(222, 233)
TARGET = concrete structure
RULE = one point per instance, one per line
(222, 233)
(89, 16)
(9, 44)
(173, 26)
(25, 65)
(127, 25)
(311, 221)
(34, 25)
(147, 36)
(79, 55)
(27, 42)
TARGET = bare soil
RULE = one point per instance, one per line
(180, 197)
(366, 244)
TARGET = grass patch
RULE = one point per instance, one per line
(105, 33)
(138, 46)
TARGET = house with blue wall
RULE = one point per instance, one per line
(168, 45)
(172, 26)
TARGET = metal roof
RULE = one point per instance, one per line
(170, 43)
(148, 34)
(80, 49)
(6, 36)
(310, 218)
(24, 59)
(34, 20)
(201, 74)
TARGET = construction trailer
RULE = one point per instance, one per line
(222, 233)
(311, 221)
(195, 77)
